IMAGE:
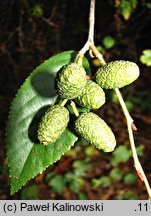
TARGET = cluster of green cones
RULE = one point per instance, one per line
(72, 84)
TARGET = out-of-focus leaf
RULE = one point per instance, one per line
(81, 167)
(145, 58)
(91, 151)
(37, 10)
(105, 181)
(129, 105)
(100, 49)
(30, 193)
(126, 7)
(95, 183)
(148, 5)
(116, 174)
(121, 154)
(108, 42)
(140, 150)
(58, 184)
(76, 184)
(130, 178)
(82, 196)
(130, 195)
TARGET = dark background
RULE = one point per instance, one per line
(27, 40)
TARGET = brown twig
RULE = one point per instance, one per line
(130, 125)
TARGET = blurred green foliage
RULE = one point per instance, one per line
(73, 179)
(116, 174)
(129, 105)
(130, 178)
(148, 5)
(37, 10)
(121, 154)
(142, 100)
(127, 195)
(76, 184)
(57, 183)
(108, 42)
(103, 181)
(82, 196)
(126, 7)
(29, 192)
(130, 195)
(91, 151)
(81, 167)
(145, 58)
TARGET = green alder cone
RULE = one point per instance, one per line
(93, 96)
(71, 81)
(53, 124)
(96, 131)
(117, 74)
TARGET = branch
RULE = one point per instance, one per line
(137, 164)
(89, 45)
(74, 108)
(64, 102)
(91, 22)
(90, 39)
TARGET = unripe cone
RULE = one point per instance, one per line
(93, 96)
(53, 124)
(117, 74)
(96, 131)
(71, 81)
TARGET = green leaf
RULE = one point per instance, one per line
(100, 48)
(37, 10)
(121, 154)
(148, 5)
(69, 176)
(91, 151)
(140, 150)
(126, 9)
(76, 184)
(26, 157)
(30, 193)
(81, 167)
(129, 104)
(82, 196)
(58, 184)
(108, 42)
(86, 66)
(145, 58)
(105, 181)
(95, 183)
(130, 195)
(116, 174)
(127, 195)
(133, 3)
(130, 178)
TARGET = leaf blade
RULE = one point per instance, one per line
(26, 156)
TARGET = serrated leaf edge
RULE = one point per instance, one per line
(42, 170)
(10, 110)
